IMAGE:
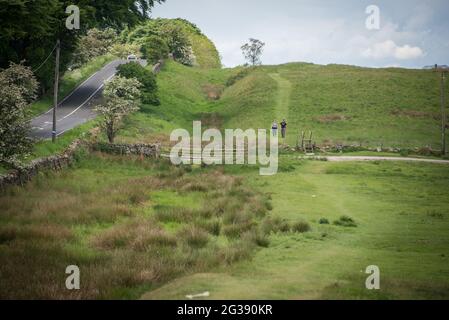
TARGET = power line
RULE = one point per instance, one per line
(46, 59)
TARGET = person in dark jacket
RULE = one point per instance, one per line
(283, 128)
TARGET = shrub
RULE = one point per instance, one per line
(301, 227)
(169, 214)
(236, 252)
(95, 43)
(211, 226)
(275, 225)
(154, 48)
(345, 221)
(257, 237)
(236, 217)
(18, 88)
(145, 77)
(237, 230)
(153, 238)
(124, 50)
(404, 153)
(323, 221)
(194, 236)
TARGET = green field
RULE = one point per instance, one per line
(143, 228)
(402, 226)
(340, 104)
(129, 224)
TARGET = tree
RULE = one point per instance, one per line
(179, 44)
(253, 51)
(18, 88)
(155, 48)
(172, 32)
(145, 77)
(29, 29)
(123, 50)
(95, 43)
(121, 98)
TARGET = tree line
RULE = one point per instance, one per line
(29, 29)
(28, 33)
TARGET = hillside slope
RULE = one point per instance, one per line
(340, 104)
(345, 104)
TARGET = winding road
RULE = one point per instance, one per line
(75, 109)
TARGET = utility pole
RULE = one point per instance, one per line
(56, 89)
(443, 114)
(443, 70)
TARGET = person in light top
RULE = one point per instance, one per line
(274, 128)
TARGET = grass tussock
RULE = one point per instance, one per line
(345, 221)
(133, 224)
(301, 227)
(278, 225)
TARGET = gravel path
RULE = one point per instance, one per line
(366, 158)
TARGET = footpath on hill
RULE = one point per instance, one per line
(283, 98)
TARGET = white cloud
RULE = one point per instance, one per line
(389, 49)
(412, 32)
(408, 52)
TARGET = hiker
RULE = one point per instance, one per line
(274, 128)
(283, 128)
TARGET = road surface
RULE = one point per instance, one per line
(367, 158)
(75, 109)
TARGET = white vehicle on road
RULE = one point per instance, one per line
(132, 57)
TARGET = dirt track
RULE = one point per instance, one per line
(371, 158)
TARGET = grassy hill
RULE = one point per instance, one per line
(340, 104)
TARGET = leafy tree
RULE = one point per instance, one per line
(115, 14)
(178, 43)
(171, 32)
(253, 51)
(155, 48)
(29, 29)
(121, 98)
(17, 89)
(145, 77)
(95, 43)
(123, 50)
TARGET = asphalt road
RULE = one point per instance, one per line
(75, 109)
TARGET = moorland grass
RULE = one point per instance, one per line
(126, 222)
(402, 227)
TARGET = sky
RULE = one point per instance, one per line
(410, 33)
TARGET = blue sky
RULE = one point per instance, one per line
(412, 33)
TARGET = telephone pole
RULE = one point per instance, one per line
(443, 114)
(56, 89)
(443, 70)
